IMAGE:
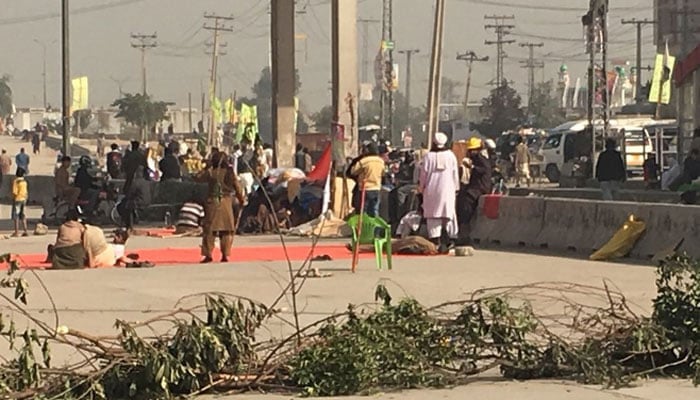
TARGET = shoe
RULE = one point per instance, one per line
(15, 234)
(206, 260)
(224, 259)
(25, 234)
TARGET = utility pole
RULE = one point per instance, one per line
(530, 65)
(365, 23)
(43, 74)
(408, 53)
(219, 26)
(65, 64)
(435, 72)
(639, 25)
(502, 30)
(282, 45)
(144, 43)
(469, 57)
(387, 99)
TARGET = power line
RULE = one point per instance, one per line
(639, 24)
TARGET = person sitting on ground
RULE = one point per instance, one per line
(691, 167)
(189, 222)
(64, 190)
(119, 239)
(98, 253)
(68, 251)
(169, 167)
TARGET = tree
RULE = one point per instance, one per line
(502, 111)
(544, 111)
(140, 110)
(5, 96)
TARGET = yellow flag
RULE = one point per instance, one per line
(216, 109)
(80, 93)
(228, 104)
(661, 81)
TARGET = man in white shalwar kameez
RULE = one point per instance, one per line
(439, 184)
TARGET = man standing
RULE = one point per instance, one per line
(480, 169)
(169, 167)
(369, 171)
(22, 161)
(132, 161)
(522, 162)
(610, 171)
(439, 183)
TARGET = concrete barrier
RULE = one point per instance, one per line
(520, 221)
(584, 226)
(481, 227)
(666, 226)
(568, 225)
(610, 216)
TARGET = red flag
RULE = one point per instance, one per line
(323, 166)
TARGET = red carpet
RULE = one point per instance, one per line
(174, 256)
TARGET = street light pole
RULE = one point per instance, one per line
(43, 74)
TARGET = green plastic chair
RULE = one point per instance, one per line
(374, 231)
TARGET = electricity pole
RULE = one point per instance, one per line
(65, 63)
(639, 25)
(469, 57)
(217, 28)
(502, 30)
(435, 71)
(365, 22)
(143, 43)
(408, 54)
(531, 65)
(43, 74)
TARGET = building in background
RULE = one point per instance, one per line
(678, 24)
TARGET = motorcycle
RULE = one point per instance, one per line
(101, 214)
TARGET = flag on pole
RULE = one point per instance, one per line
(661, 82)
(80, 94)
(228, 111)
(323, 166)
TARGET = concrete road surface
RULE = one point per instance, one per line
(91, 300)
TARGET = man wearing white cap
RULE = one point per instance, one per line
(439, 183)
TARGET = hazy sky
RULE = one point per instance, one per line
(101, 49)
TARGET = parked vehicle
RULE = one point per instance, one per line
(572, 140)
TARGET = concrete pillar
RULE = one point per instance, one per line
(345, 80)
(283, 82)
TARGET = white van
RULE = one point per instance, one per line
(560, 146)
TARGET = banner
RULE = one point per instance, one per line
(247, 124)
(80, 94)
(661, 81)
(229, 111)
(216, 109)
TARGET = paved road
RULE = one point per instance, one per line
(91, 300)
